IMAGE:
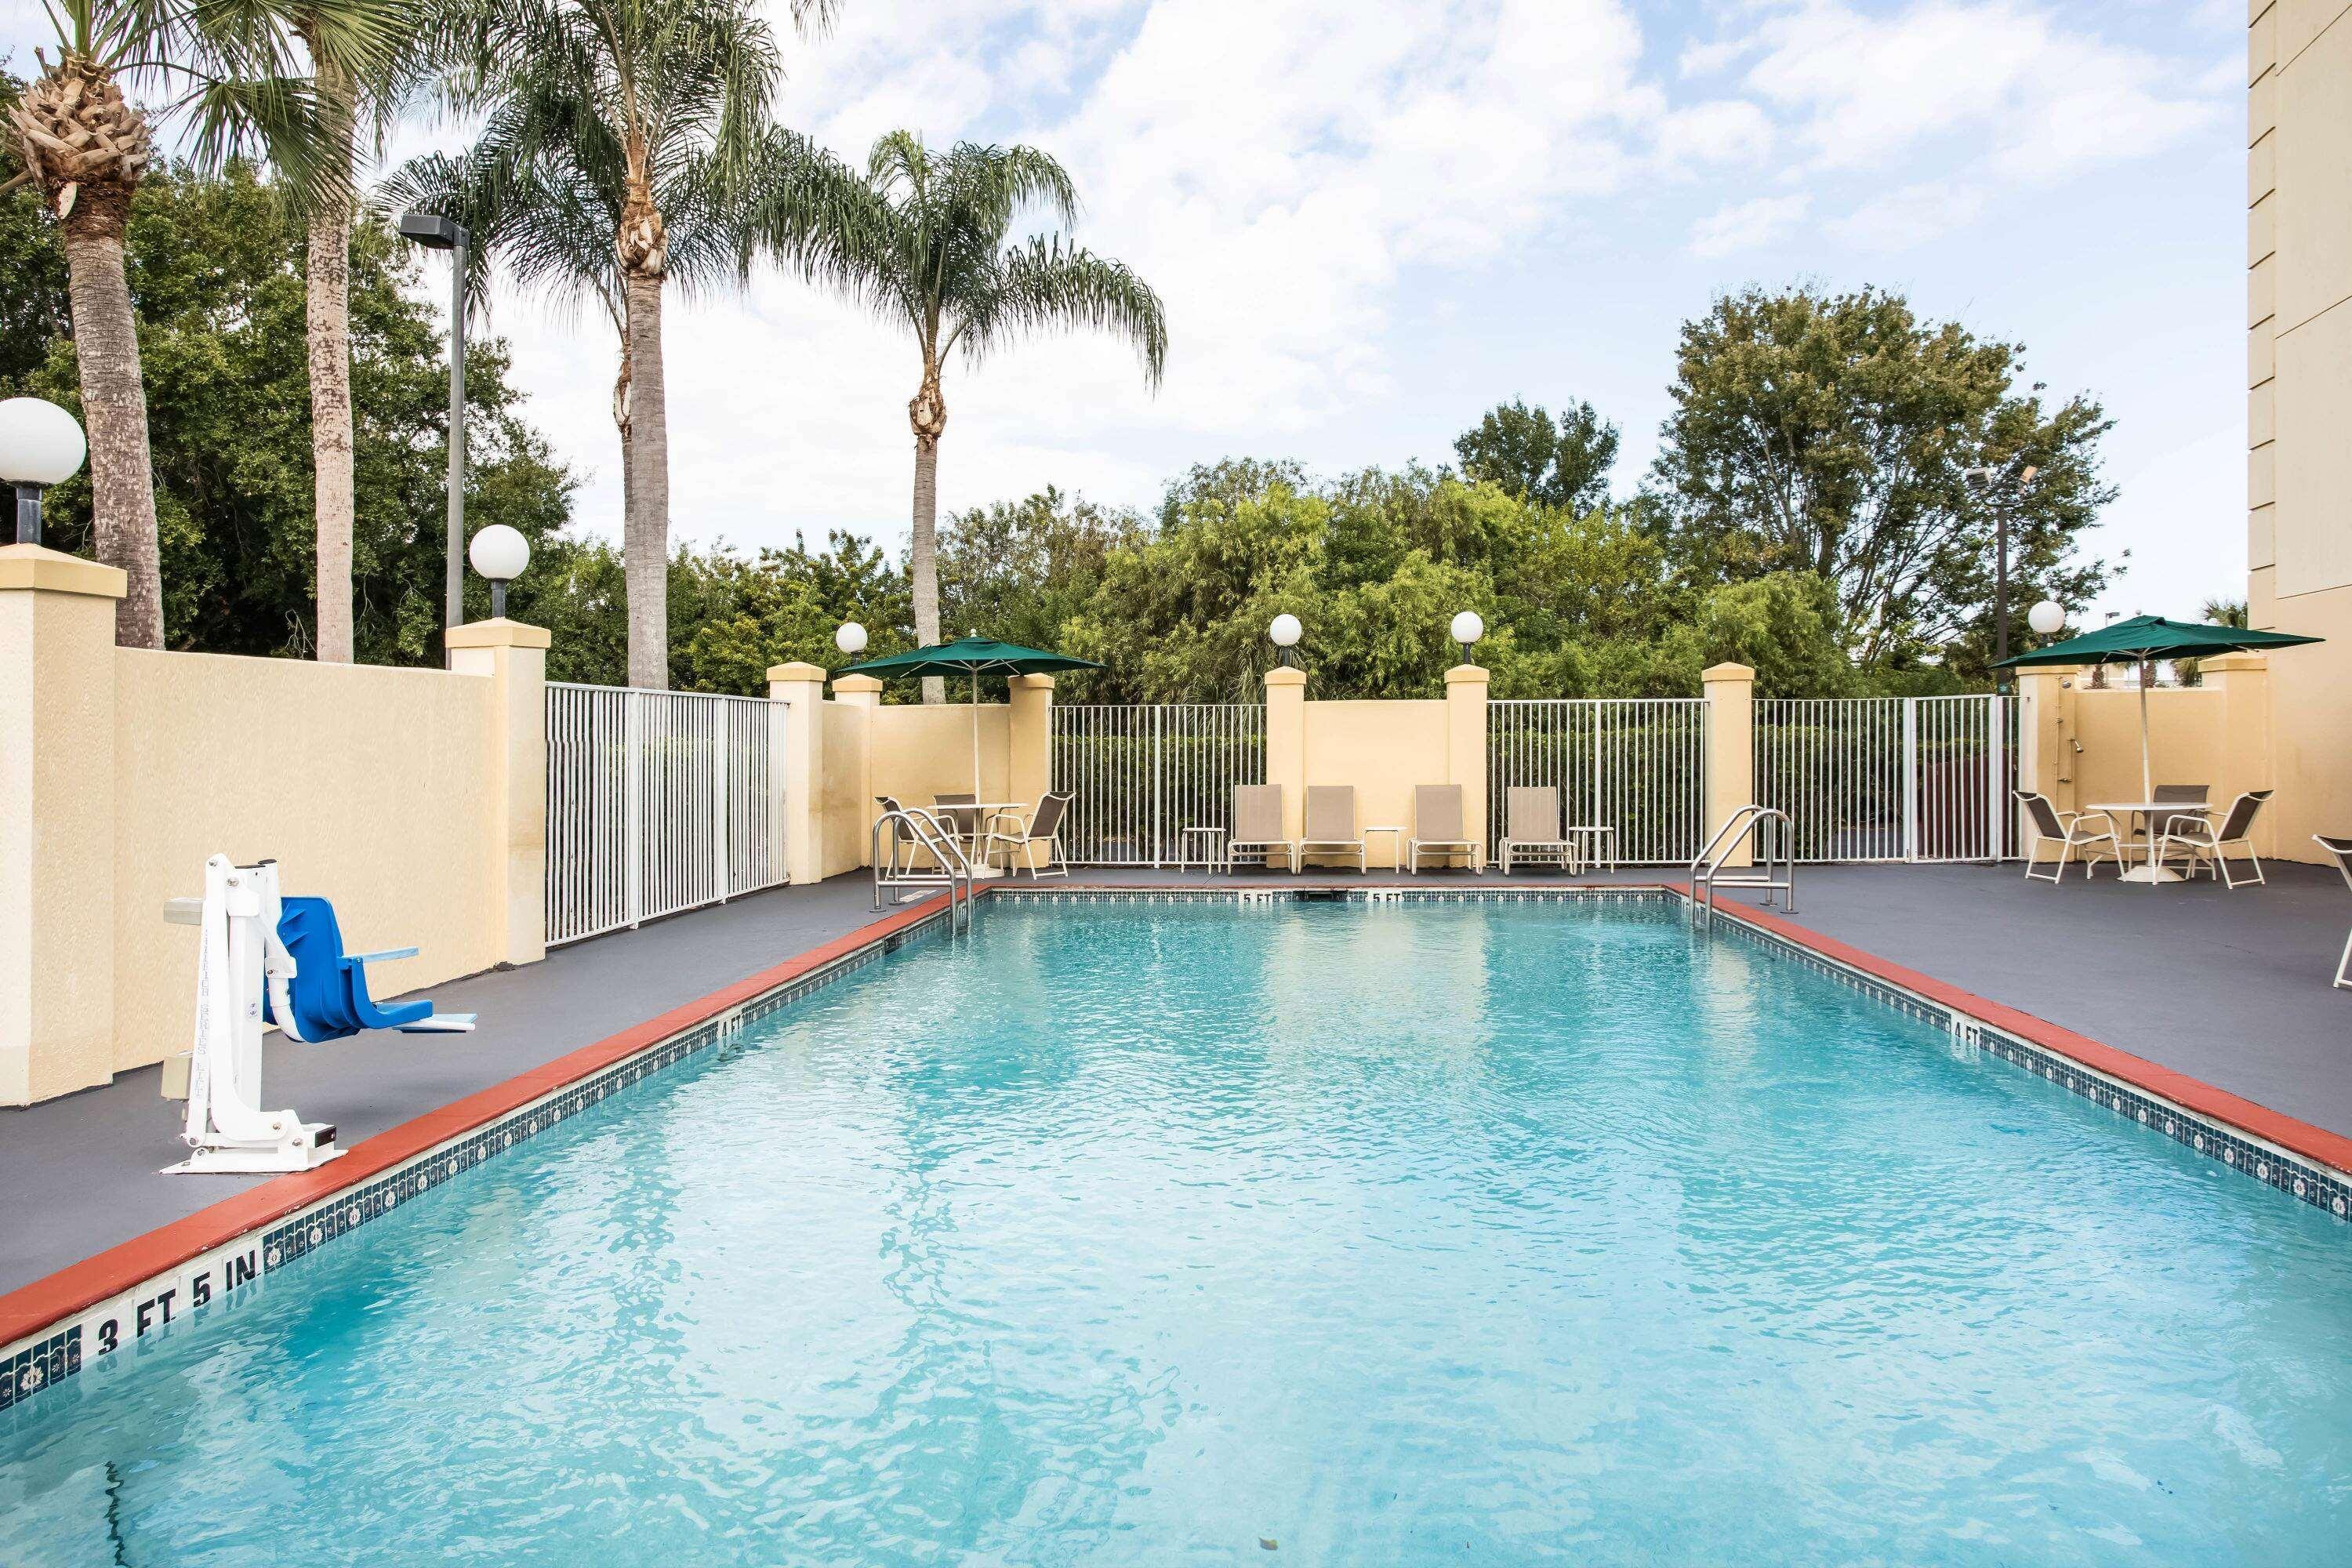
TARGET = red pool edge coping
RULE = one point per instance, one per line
(29, 1309)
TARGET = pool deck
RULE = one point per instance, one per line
(2229, 988)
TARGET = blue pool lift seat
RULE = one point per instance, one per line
(327, 992)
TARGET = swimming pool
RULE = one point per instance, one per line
(1152, 1233)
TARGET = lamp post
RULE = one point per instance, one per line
(850, 638)
(2046, 617)
(498, 553)
(1985, 479)
(435, 232)
(1285, 631)
(1466, 630)
(41, 446)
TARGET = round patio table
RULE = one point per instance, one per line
(2148, 810)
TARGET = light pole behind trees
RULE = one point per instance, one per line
(435, 232)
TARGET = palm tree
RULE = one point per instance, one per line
(626, 142)
(228, 69)
(931, 252)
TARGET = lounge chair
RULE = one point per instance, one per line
(1010, 834)
(2074, 830)
(1330, 824)
(1531, 828)
(1438, 826)
(1257, 826)
(2340, 851)
(2203, 843)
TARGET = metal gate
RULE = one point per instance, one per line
(1138, 775)
(1635, 765)
(657, 801)
(1891, 778)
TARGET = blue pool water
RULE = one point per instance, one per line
(1147, 1235)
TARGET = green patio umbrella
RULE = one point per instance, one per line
(2144, 638)
(971, 654)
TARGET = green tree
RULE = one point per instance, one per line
(233, 74)
(215, 266)
(1830, 435)
(931, 252)
(1564, 463)
(1019, 570)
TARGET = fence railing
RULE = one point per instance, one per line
(1637, 766)
(1139, 776)
(1891, 778)
(657, 801)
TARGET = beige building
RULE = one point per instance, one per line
(2299, 406)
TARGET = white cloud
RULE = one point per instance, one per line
(1721, 131)
(1746, 226)
(1909, 216)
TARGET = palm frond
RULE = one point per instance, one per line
(1047, 285)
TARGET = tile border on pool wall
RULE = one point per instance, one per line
(60, 1349)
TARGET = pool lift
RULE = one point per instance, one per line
(265, 958)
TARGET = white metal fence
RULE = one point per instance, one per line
(1138, 775)
(657, 801)
(1891, 778)
(1635, 765)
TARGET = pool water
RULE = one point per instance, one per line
(1315, 1233)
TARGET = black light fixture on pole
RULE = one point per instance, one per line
(435, 232)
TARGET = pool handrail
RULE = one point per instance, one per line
(913, 826)
(1706, 866)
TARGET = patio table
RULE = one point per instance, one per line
(2150, 812)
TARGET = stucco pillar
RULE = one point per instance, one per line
(1285, 743)
(1029, 762)
(863, 694)
(2244, 679)
(1465, 746)
(1730, 691)
(2046, 740)
(57, 822)
(795, 692)
(513, 657)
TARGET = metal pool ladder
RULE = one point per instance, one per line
(896, 869)
(1706, 866)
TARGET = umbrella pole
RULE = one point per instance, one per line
(975, 732)
(2147, 776)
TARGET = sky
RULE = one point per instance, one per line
(1370, 220)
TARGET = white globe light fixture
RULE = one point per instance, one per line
(2046, 618)
(498, 553)
(41, 446)
(1285, 631)
(850, 638)
(1466, 630)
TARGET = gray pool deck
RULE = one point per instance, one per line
(2228, 988)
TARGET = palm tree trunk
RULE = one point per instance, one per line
(928, 413)
(329, 285)
(644, 530)
(114, 411)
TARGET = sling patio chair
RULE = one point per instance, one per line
(962, 815)
(2340, 851)
(1019, 839)
(1437, 827)
(1330, 824)
(2074, 830)
(1257, 826)
(2200, 843)
(1531, 828)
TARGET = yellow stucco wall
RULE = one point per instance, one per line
(1384, 749)
(921, 751)
(2184, 729)
(848, 809)
(2299, 399)
(370, 785)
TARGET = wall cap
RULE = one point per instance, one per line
(500, 633)
(1034, 682)
(796, 670)
(45, 571)
(1285, 675)
(2223, 663)
(842, 683)
(1727, 671)
(1466, 675)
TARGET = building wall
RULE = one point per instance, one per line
(2299, 402)
(370, 785)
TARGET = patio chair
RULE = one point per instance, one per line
(1257, 826)
(2208, 846)
(2175, 794)
(962, 815)
(1008, 832)
(1438, 826)
(1330, 824)
(2340, 851)
(1531, 828)
(2074, 830)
